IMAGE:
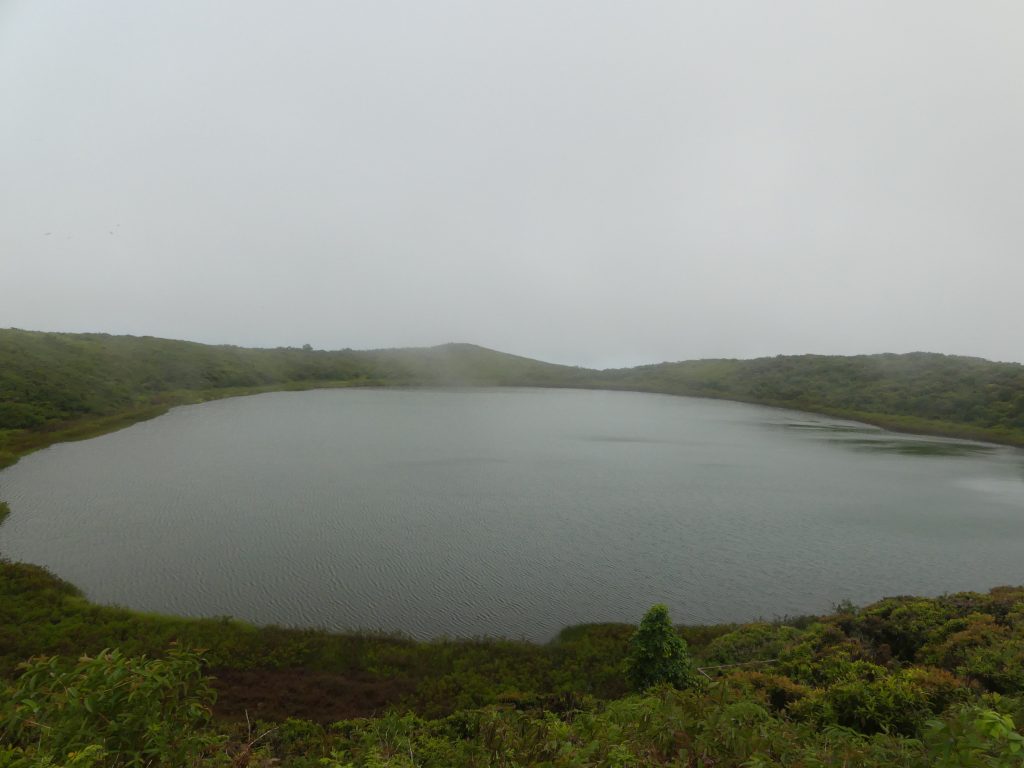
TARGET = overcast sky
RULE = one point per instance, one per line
(586, 182)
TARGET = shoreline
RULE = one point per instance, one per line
(29, 441)
(85, 429)
(97, 427)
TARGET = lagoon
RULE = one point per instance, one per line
(510, 512)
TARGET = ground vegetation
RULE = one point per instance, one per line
(905, 681)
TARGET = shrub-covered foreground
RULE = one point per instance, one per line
(115, 711)
(906, 681)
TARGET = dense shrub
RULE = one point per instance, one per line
(657, 654)
(750, 643)
(776, 691)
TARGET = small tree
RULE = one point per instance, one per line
(657, 654)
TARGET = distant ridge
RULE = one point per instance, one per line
(923, 392)
(61, 386)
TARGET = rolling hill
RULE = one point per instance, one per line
(61, 386)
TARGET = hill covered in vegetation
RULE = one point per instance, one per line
(917, 392)
(59, 386)
(903, 682)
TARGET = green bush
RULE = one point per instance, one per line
(998, 666)
(879, 702)
(657, 654)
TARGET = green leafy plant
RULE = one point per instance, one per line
(975, 737)
(657, 654)
(139, 711)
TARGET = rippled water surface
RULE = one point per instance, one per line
(510, 511)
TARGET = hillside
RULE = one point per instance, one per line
(60, 386)
(917, 392)
(468, 365)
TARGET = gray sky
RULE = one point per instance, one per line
(585, 182)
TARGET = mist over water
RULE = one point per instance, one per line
(510, 512)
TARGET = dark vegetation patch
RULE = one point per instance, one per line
(323, 697)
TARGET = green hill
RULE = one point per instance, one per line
(62, 386)
(469, 365)
(917, 392)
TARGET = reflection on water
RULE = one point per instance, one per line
(817, 426)
(890, 442)
(918, 447)
(510, 512)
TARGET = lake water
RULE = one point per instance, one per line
(510, 512)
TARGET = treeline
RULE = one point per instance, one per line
(905, 681)
(56, 386)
